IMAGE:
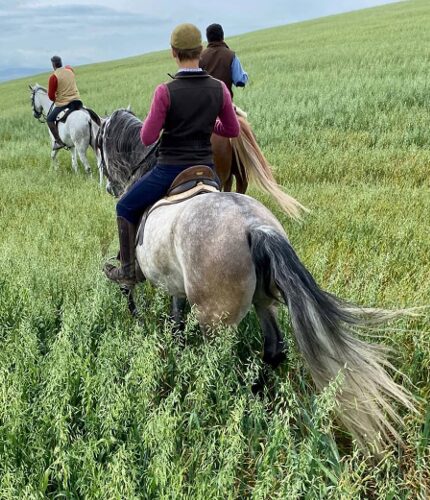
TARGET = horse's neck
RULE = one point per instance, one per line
(46, 102)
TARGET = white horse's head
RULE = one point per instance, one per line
(36, 102)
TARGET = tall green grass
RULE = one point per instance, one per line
(95, 405)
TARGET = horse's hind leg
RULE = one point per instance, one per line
(82, 152)
(274, 346)
(240, 176)
(228, 184)
(177, 313)
(273, 352)
(127, 291)
(54, 161)
(241, 184)
(74, 159)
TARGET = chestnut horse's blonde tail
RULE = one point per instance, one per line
(253, 165)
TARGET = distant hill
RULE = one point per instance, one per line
(14, 73)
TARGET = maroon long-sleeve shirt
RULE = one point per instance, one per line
(226, 124)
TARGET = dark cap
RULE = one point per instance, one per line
(56, 61)
(214, 33)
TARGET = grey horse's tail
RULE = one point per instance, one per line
(323, 326)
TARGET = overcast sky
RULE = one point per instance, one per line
(31, 31)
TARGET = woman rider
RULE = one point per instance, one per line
(187, 111)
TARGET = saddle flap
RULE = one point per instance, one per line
(64, 113)
(189, 178)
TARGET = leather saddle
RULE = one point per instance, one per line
(77, 105)
(192, 177)
(189, 183)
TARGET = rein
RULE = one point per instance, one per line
(150, 149)
(39, 114)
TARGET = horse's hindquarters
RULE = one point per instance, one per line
(199, 248)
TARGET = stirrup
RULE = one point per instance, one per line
(117, 275)
(58, 145)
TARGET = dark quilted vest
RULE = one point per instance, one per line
(196, 100)
(216, 59)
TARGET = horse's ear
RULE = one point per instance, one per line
(129, 107)
(30, 87)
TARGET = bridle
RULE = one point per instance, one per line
(99, 146)
(111, 186)
(38, 114)
(102, 137)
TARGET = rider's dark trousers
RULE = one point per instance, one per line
(73, 105)
(147, 190)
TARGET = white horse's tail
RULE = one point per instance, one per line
(253, 165)
(323, 326)
(92, 138)
(94, 124)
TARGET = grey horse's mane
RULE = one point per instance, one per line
(127, 158)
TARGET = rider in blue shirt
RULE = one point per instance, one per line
(238, 75)
(220, 61)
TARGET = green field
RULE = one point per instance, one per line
(96, 405)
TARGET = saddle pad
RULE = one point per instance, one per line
(176, 198)
(170, 200)
(62, 115)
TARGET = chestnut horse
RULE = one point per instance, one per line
(121, 154)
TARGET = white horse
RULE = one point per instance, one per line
(77, 133)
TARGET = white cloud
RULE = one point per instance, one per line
(99, 30)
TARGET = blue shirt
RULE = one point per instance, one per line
(238, 75)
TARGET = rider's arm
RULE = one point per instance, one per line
(52, 87)
(238, 75)
(227, 124)
(154, 122)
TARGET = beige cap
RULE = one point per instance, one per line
(185, 37)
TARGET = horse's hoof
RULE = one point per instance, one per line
(276, 360)
(258, 386)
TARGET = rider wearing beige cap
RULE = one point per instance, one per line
(184, 113)
(186, 37)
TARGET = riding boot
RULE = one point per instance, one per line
(58, 144)
(126, 273)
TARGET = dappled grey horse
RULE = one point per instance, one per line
(224, 253)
